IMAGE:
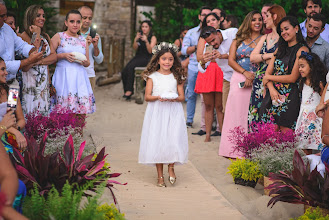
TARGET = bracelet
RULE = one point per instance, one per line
(195, 47)
(326, 135)
(3, 127)
(243, 72)
(262, 57)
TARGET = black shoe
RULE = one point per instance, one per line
(189, 124)
(213, 128)
(128, 97)
(216, 133)
(201, 132)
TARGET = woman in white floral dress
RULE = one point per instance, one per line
(35, 91)
(73, 89)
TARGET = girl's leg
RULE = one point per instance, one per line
(209, 102)
(159, 167)
(219, 109)
(171, 170)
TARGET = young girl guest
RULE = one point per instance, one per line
(164, 135)
(308, 128)
(236, 112)
(143, 43)
(262, 54)
(36, 80)
(73, 89)
(282, 101)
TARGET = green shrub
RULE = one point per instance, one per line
(313, 214)
(111, 212)
(245, 169)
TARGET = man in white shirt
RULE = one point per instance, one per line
(95, 44)
(221, 41)
(11, 43)
(312, 7)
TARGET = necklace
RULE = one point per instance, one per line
(272, 40)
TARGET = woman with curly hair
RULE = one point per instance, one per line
(308, 128)
(164, 135)
(236, 112)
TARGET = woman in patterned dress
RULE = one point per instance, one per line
(36, 80)
(282, 101)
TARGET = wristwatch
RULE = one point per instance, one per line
(201, 62)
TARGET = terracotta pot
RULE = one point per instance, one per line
(243, 182)
(324, 211)
(268, 182)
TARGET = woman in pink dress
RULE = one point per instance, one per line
(236, 112)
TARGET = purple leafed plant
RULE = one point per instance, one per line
(260, 133)
(53, 170)
(60, 118)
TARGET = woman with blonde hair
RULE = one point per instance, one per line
(262, 54)
(236, 112)
(36, 80)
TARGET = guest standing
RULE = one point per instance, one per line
(261, 55)
(143, 44)
(282, 101)
(236, 113)
(35, 77)
(73, 89)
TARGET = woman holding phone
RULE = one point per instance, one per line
(143, 44)
(236, 112)
(36, 80)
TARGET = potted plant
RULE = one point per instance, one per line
(301, 185)
(244, 172)
(274, 159)
(259, 133)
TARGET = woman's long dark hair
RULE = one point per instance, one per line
(204, 23)
(73, 11)
(282, 44)
(149, 24)
(318, 71)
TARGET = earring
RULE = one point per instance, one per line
(296, 32)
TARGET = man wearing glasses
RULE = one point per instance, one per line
(189, 46)
(11, 43)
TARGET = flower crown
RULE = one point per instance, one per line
(164, 45)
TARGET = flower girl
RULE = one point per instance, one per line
(164, 136)
(308, 128)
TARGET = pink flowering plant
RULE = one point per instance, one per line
(59, 125)
(259, 134)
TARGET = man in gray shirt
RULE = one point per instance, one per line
(315, 27)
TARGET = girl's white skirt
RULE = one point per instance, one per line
(164, 135)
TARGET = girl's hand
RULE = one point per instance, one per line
(35, 29)
(9, 119)
(69, 57)
(163, 100)
(21, 141)
(274, 94)
(265, 80)
(321, 108)
(138, 36)
(85, 63)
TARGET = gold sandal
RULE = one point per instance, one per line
(172, 180)
(161, 184)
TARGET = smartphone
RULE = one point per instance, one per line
(141, 32)
(34, 36)
(93, 31)
(241, 84)
(209, 48)
(12, 97)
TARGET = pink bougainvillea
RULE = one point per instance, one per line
(260, 133)
(59, 119)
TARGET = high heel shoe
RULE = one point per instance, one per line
(161, 184)
(171, 179)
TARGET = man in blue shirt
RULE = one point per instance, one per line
(312, 7)
(11, 43)
(189, 47)
(95, 44)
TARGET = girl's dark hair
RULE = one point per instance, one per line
(149, 24)
(233, 19)
(318, 71)
(73, 11)
(282, 44)
(177, 69)
(204, 22)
